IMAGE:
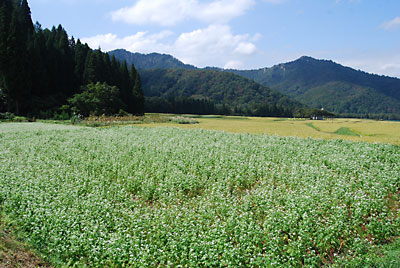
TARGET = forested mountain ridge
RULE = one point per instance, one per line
(149, 61)
(323, 83)
(317, 83)
(214, 91)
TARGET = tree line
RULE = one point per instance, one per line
(189, 105)
(213, 92)
(42, 70)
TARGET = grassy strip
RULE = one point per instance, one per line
(14, 253)
(346, 131)
(312, 126)
(384, 256)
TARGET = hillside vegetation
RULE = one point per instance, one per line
(219, 92)
(316, 83)
(342, 90)
(149, 61)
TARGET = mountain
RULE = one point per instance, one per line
(230, 93)
(316, 83)
(324, 83)
(149, 61)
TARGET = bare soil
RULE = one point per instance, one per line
(15, 254)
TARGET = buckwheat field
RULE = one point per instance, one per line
(166, 197)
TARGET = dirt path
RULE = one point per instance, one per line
(15, 254)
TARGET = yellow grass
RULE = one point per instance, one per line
(351, 129)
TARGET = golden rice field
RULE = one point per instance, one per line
(371, 131)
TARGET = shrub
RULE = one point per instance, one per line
(183, 120)
(7, 116)
(76, 119)
(96, 99)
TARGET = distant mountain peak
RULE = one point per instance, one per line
(340, 89)
(149, 61)
(306, 58)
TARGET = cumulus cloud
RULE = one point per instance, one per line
(171, 12)
(216, 42)
(215, 45)
(391, 25)
(140, 42)
(246, 48)
(234, 64)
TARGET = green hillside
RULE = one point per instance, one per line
(317, 83)
(232, 93)
(149, 61)
(322, 83)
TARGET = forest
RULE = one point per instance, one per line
(213, 92)
(44, 71)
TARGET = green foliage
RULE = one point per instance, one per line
(181, 105)
(7, 116)
(41, 69)
(211, 92)
(96, 99)
(149, 61)
(151, 197)
(76, 119)
(342, 90)
(15, 32)
(386, 256)
(346, 131)
(313, 127)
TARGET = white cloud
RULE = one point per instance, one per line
(246, 48)
(222, 10)
(215, 45)
(172, 12)
(380, 63)
(256, 37)
(391, 25)
(140, 42)
(234, 64)
(162, 12)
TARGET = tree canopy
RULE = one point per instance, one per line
(40, 69)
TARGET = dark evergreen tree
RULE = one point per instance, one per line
(41, 69)
(5, 21)
(115, 74)
(123, 84)
(16, 77)
(89, 74)
(81, 53)
(137, 93)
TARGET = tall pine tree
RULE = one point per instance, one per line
(137, 101)
(41, 69)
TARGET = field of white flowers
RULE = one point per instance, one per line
(150, 197)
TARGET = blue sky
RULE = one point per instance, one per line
(242, 34)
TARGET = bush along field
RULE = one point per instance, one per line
(166, 197)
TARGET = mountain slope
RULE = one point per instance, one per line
(317, 83)
(221, 88)
(322, 83)
(149, 61)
